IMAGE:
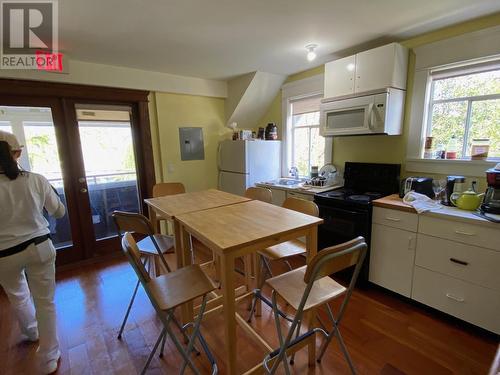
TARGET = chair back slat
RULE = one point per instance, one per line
(129, 247)
(259, 194)
(132, 222)
(335, 258)
(301, 205)
(168, 188)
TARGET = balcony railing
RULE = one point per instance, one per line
(108, 192)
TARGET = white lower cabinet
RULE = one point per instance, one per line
(467, 301)
(279, 196)
(392, 256)
(447, 264)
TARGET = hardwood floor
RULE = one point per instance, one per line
(385, 335)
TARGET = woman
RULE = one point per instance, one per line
(26, 251)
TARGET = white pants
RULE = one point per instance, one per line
(37, 263)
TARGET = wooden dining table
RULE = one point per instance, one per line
(171, 206)
(237, 230)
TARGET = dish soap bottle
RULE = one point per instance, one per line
(451, 151)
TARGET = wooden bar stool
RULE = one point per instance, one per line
(284, 250)
(166, 293)
(163, 189)
(152, 246)
(309, 287)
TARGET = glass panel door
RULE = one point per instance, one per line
(34, 128)
(109, 163)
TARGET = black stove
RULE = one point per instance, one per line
(362, 198)
(347, 212)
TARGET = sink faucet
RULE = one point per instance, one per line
(294, 172)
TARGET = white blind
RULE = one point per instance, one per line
(306, 105)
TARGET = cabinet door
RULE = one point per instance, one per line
(339, 77)
(381, 67)
(279, 197)
(392, 255)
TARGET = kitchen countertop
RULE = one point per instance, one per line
(309, 190)
(452, 213)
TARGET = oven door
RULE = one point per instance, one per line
(341, 225)
(352, 116)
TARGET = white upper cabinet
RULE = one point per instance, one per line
(339, 77)
(374, 69)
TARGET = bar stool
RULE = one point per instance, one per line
(259, 194)
(163, 189)
(152, 246)
(166, 293)
(284, 250)
(309, 287)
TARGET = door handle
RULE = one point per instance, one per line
(370, 118)
(464, 233)
(458, 261)
(392, 218)
(455, 298)
(411, 243)
(83, 190)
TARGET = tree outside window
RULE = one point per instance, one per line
(308, 147)
(466, 106)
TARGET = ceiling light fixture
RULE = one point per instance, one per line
(311, 55)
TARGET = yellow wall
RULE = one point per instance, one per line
(380, 149)
(169, 112)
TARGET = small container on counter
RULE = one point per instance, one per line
(314, 171)
(480, 148)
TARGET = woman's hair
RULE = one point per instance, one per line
(7, 162)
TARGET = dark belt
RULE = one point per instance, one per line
(22, 246)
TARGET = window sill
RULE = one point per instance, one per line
(473, 168)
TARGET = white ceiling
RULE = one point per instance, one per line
(219, 39)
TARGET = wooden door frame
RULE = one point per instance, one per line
(64, 95)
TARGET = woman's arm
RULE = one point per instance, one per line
(52, 203)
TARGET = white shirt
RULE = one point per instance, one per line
(21, 208)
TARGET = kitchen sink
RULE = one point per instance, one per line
(288, 181)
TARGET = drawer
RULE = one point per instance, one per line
(470, 263)
(472, 303)
(307, 197)
(395, 218)
(472, 234)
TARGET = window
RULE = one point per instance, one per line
(465, 105)
(5, 126)
(308, 147)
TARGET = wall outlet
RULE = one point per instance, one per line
(170, 167)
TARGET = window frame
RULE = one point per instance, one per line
(474, 47)
(293, 91)
(451, 73)
(309, 127)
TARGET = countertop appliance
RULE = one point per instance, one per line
(372, 112)
(347, 212)
(421, 185)
(491, 202)
(243, 163)
(454, 184)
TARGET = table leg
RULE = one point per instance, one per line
(178, 245)
(229, 309)
(152, 218)
(258, 281)
(312, 250)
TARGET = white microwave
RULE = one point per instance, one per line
(374, 112)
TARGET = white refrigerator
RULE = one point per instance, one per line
(244, 163)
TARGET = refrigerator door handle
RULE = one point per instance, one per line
(219, 180)
(218, 158)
